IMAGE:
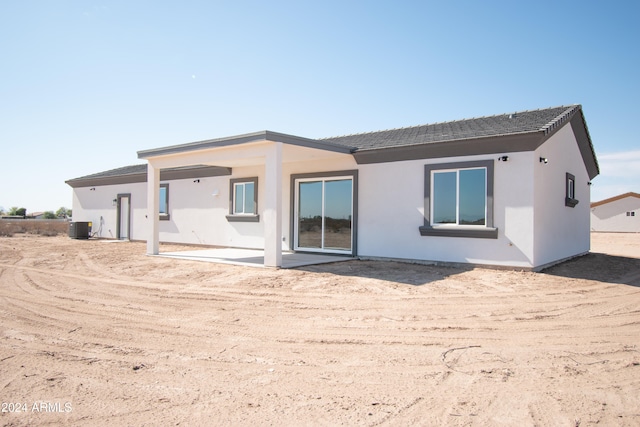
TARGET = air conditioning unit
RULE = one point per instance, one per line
(79, 230)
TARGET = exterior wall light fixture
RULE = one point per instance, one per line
(196, 180)
(503, 158)
(114, 202)
(544, 160)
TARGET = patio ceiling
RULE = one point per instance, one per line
(248, 154)
(265, 149)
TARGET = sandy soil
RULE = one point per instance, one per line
(97, 333)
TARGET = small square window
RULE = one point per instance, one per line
(243, 200)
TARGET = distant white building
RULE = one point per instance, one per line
(505, 190)
(619, 214)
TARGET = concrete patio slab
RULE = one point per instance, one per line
(252, 257)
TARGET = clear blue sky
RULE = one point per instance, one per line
(85, 84)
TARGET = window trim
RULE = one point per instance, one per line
(570, 199)
(165, 216)
(235, 217)
(487, 231)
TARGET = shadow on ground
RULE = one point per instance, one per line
(391, 271)
(593, 266)
(600, 267)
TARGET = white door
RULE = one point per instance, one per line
(124, 216)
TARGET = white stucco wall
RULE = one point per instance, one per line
(560, 231)
(196, 215)
(97, 207)
(612, 216)
(392, 210)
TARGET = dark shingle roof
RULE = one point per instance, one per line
(521, 122)
(539, 124)
(126, 170)
(138, 173)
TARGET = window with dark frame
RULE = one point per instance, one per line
(243, 200)
(570, 191)
(164, 202)
(458, 200)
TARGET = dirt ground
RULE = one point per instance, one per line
(97, 333)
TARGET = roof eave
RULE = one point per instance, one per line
(245, 139)
(581, 132)
(615, 199)
(527, 141)
(107, 180)
(165, 175)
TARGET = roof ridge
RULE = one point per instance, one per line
(514, 113)
(560, 119)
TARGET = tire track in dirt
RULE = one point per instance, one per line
(271, 324)
(119, 332)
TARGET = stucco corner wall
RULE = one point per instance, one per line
(561, 232)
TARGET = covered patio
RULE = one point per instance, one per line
(266, 149)
(253, 257)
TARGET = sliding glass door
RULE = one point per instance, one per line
(324, 214)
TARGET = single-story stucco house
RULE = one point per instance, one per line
(507, 190)
(619, 214)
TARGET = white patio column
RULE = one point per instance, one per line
(272, 213)
(153, 209)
